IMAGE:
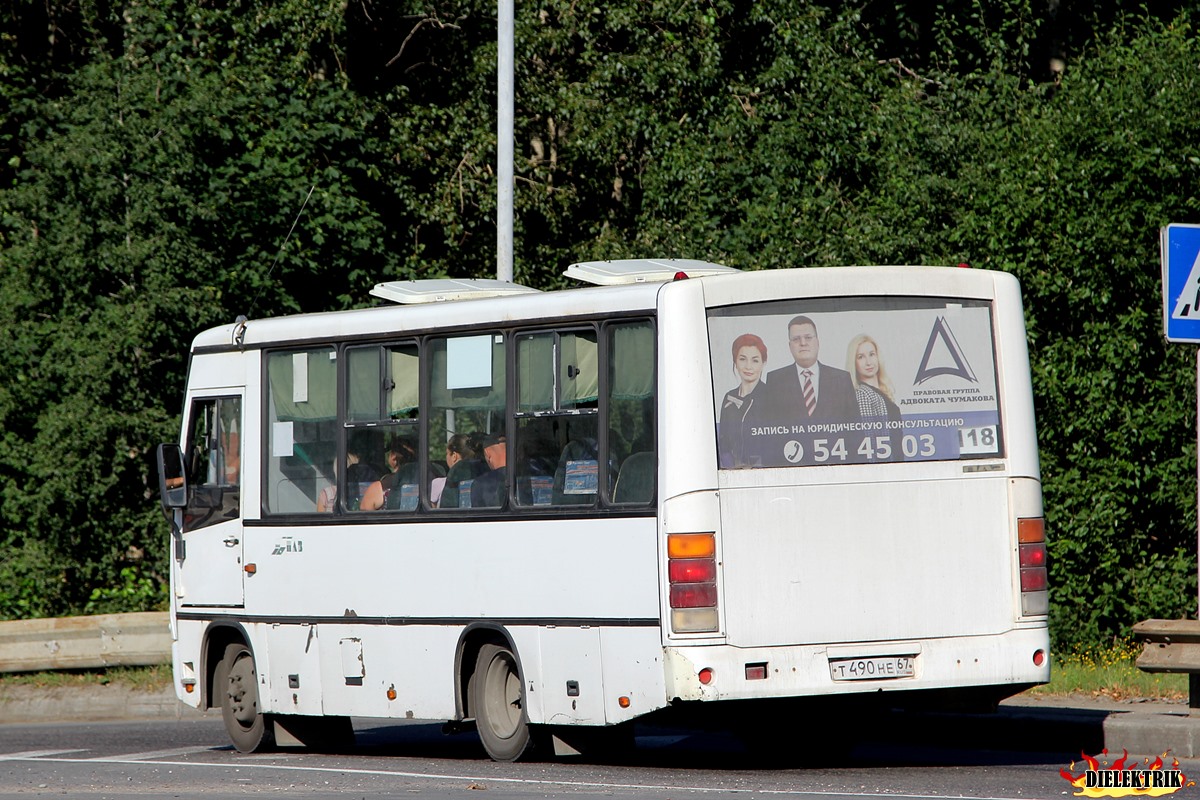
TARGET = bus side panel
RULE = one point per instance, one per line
(293, 674)
(361, 663)
(415, 586)
(186, 661)
(571, 681)
(633, 668)
(583, 569)
(580, 675)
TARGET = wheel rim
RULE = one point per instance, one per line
(502, 698)
(243, 691)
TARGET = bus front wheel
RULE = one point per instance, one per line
(248, 728)
(498, 700)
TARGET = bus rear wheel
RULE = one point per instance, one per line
(498, 701)
(248, 728)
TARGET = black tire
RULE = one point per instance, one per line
(216, 698)
(498, 702)
(248, 728)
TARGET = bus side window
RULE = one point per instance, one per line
(301, 419)
(557, 450)
(467, 401)
(630, 413)
(213, 462)
(381, 428)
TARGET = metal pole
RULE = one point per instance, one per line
(504, 143)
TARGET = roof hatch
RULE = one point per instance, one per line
(445, 289)
(642, 270)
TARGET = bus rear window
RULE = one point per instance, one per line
(854, 380)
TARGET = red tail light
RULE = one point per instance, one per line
(1034, 580)
(693, 595)
(692, 576)
(1033, 555)
(692, 570)
(1031, 560)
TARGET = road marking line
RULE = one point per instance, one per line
(28, 754)
(153, 754)
(483, 780)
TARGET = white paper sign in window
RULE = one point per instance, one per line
(283, 442)
(469, 362)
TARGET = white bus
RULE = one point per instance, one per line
(532, 512)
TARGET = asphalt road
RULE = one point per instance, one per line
(191, 758)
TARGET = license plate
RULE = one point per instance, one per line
(873, 668)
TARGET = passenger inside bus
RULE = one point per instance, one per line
(462, 466)
(488, 490)
(328, 495)
(462, 452)
(402, 471)
(360, 474)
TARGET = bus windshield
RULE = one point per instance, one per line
(854, 380)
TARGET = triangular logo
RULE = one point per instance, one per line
(943, 356)
(1188, 304)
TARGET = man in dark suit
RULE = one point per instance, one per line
(809, 390)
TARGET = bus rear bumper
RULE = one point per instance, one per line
(1017, 658)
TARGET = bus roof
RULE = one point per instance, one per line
(729, 287)
(393, 318)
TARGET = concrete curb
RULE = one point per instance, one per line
(1083, 726)
(1153, 734)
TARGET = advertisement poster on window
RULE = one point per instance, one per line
(854, 381)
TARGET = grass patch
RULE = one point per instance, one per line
(137, 678)
(1113, 674)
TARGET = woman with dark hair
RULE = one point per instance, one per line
(401, 452)
(742, 403)
(360, 473)
(464, 465)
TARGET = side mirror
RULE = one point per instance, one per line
(172, 482)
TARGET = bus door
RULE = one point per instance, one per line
(210, 570)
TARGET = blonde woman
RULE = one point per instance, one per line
(876, 399)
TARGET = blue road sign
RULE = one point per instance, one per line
(1181, 282)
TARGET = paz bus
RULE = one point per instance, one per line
(676, 486)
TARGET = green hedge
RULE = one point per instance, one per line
(156, 155)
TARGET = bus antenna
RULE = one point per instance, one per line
(279, 255)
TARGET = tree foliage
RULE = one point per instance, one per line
(168, 164)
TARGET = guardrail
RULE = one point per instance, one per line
(105, 640)
(1171, 645)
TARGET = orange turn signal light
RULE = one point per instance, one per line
(691, 545)
(1030, 530)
